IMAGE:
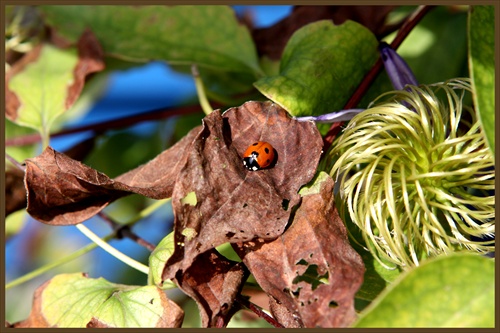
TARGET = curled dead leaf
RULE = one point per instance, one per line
(62, 191)
(214, 198)
(91, 57)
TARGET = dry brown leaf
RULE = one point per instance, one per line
(232, 203)
(213, 282)
(15, 195)
(311, 272)
(90, 60)
(62, 191)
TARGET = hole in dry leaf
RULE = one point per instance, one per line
(284, 204)
(296, 293)
(230, 234)
(302, 262)
(333, 304)
(245, 205)
(311, 275)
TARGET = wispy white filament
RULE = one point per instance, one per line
(417, 176)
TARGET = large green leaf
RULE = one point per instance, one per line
(482, 67)
(72, 300)
(449, 291)
(209, 36)
(322, 65)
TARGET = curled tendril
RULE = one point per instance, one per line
(416, 175)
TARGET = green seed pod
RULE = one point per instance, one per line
(416, 175)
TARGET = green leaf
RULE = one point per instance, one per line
(42, 87)
(314, 186)
(14, 222)
(322, 65)
(209, 36)
(449, 291)
(157, 261)
(18, 152)
(482, 67)
(72, 300)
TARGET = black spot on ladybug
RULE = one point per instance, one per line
(260, 155)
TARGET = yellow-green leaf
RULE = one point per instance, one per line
(72, 300)
(157, 261)
(41, 87)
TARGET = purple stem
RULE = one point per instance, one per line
(333, 117)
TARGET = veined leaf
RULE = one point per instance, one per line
(209, 36)
(73, 300)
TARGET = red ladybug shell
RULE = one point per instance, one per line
(258, 156)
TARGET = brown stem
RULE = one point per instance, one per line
(111, 124)
(124, 231)
(244, 302)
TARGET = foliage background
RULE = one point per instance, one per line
(433, 52)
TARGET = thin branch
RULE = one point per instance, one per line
(41, 270)
(15, 162)
(111, 124)
(412, 20)
(123, 231)
(244, 302)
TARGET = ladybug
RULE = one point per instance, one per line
(258, 156)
